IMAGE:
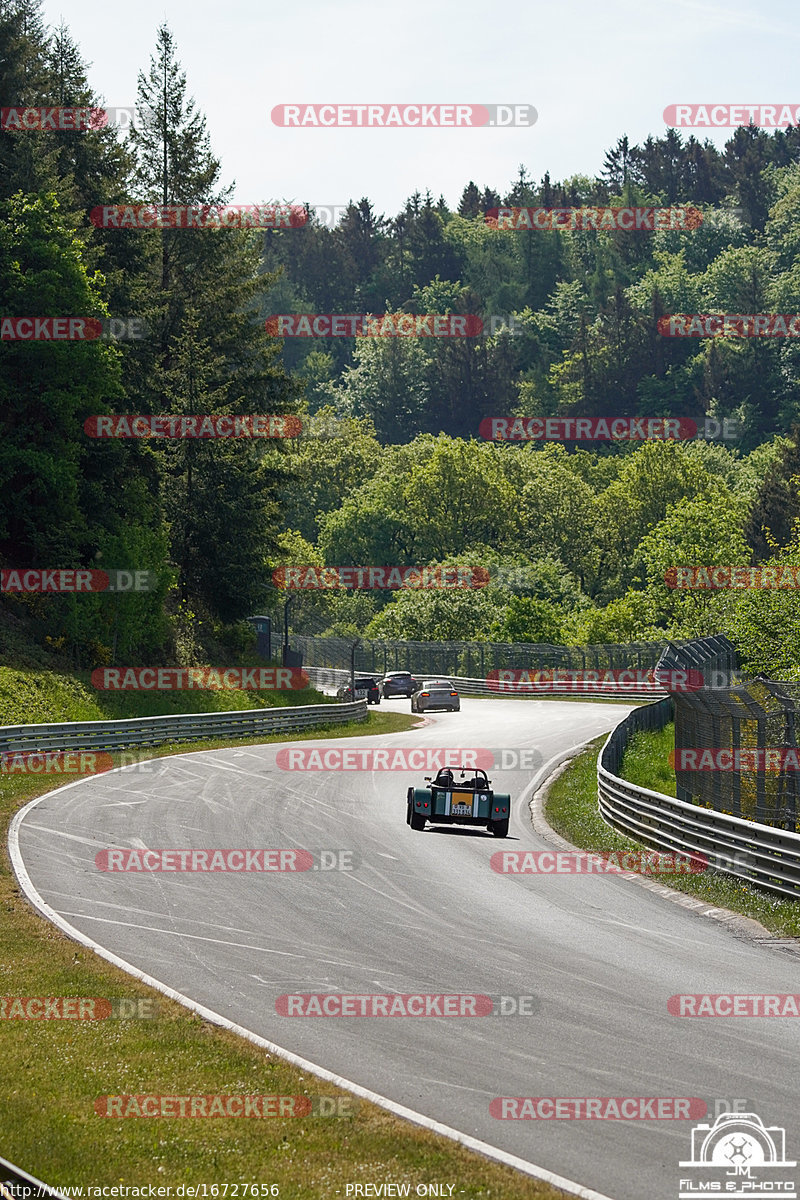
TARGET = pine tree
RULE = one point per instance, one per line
(210, 355)
(47, 390)
(28, 158)
(470, 202)
(777, 504)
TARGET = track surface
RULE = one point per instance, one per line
(424, 912)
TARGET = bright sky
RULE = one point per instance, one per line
(593, 70)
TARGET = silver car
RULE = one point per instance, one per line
(435, 694)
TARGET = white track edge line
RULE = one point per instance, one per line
(399, 1110)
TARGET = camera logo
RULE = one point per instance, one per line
(738, 1155)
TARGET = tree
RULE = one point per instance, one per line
(747, 154)
(777, 505)
(326, 470)
(462, 497)
(435, 497)
(651, 479)
(557, 512)
(764, 624)
(704, 530)
(210, 356)
(47, 390)
(470, 202)
(617, 166)
(529, 620)
(389, 383)
(436, 616)
(28, 160)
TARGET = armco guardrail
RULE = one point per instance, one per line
(190, 727)
(334, 677)
(17, 1183)
(758, 853)
(589, 691)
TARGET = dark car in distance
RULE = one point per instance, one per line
(365, 686)
(398, 683)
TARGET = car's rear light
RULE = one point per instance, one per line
(454, 693)
(424, 693)
(425, 805)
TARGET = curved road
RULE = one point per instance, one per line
(424, 912)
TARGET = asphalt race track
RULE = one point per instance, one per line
(425, 913)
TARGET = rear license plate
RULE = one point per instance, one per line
(461, 810)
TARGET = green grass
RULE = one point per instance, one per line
(571, 809)
(646, 761)
(29, 696)
(51, 1072)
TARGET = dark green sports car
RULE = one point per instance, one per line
(467, 802)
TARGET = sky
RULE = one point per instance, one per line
(594, 71)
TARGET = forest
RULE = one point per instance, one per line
(392, 465)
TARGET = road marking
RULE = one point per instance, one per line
(70, 837)
(195, 937)
(399, 1110)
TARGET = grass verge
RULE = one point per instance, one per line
(571, 809)
(51, 1073)
(30, 697)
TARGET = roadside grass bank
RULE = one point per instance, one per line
(571, 809)
(52, 1071)
(30, 696)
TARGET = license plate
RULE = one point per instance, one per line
(461, 810)
(360, 693)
